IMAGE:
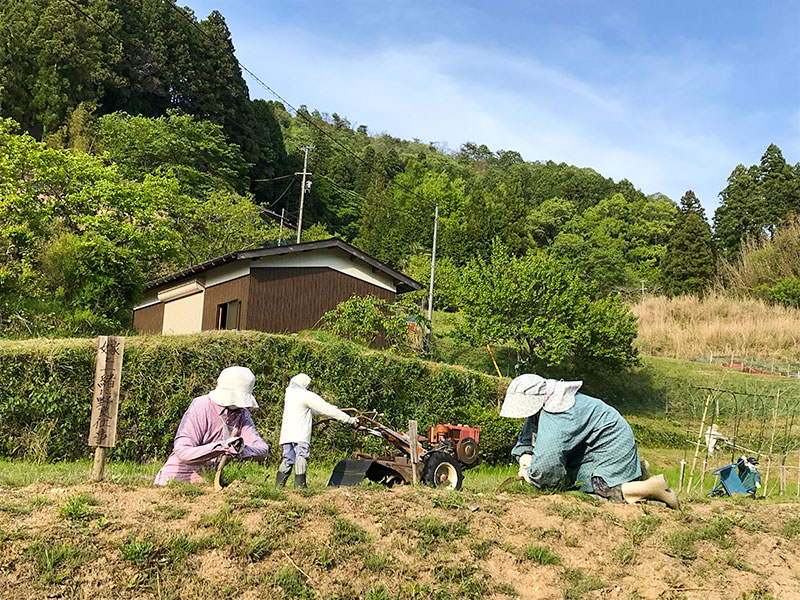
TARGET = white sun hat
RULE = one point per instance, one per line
(235, 388)
(528, 394)
(301, 380)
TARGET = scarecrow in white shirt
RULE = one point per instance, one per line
(299, 406)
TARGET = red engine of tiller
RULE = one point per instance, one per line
(460, 440)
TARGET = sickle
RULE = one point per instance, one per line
(221, 465)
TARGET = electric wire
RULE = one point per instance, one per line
(255, 77)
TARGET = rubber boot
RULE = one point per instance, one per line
(300, 481)
(645, 469)
(281, 477)
(654, 488)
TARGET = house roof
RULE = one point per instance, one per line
(403, 282)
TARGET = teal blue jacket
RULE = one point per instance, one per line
(591, 438)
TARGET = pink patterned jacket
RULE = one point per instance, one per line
(202, 438)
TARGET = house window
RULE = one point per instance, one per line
(228, 315)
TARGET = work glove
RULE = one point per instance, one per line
(233, 445)
(351, 421)
(524, 463)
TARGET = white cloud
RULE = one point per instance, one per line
(657, 124)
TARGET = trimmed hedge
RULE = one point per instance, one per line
(46, 386)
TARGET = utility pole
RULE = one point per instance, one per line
(280, 233)
(433, 270)
(302, 191)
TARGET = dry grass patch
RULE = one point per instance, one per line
(687, 327)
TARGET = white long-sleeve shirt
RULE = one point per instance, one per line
(298, 408)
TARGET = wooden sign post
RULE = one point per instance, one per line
(105, 401)
(413, 446)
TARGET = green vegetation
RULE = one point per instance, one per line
(540, 555)
(54, 563)
(689, 262)
(366, 319)
(545, 311)
(78, 507)
(580, 583)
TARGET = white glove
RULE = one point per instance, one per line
(524, 463)
(351, 420)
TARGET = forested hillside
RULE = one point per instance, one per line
(131, 148)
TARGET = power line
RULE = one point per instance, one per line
(255, 77)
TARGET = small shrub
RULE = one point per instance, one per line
(760, 592)
(16, 509)
(292, 583)
(136, 551)
(482, 549)
(449, 501)
(573, 511)
(78, 507)
(224, 521)
(733, 561)
(641, 527)
(681, 545)
(170, 513)
(433, 532)
(53, 563)
(717, 532)
(579, 583)
(347, 534)
(259, 547)
(540, 555)
(377, 561)
(184, 488)
(791, 527)
(506, 589)
(625, 553)
(268, 491)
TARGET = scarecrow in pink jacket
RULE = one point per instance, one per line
(216, 424)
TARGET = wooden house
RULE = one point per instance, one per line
(278, 289)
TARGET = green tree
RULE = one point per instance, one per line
(756, 200)
(546, 311)
(689, 262)
(74, 230)
(193, 151)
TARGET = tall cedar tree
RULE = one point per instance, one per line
(756, 200)
(689, 261)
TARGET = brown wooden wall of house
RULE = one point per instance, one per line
(236, 289)
(149, 319)
(291, 299)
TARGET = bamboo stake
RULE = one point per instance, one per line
(683, 472)
(797, 493)
(697, 446)
(772, 441)
(782, 485)
(703, 474)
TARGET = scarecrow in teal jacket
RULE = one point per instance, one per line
(570, 434)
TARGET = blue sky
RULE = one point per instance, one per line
(671, 95)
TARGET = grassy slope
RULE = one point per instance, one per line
(125, 539)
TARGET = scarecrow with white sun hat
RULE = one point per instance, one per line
(569, 434)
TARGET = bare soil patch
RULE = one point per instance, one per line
(250, 542)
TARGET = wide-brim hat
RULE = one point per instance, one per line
(528, 394)
(235, 388)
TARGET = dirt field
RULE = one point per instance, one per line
(251, 542)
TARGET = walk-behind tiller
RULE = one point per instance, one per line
(444, 454)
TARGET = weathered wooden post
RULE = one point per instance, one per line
(782, 476)
(413, 446)
(683, 473)
(105, 401)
